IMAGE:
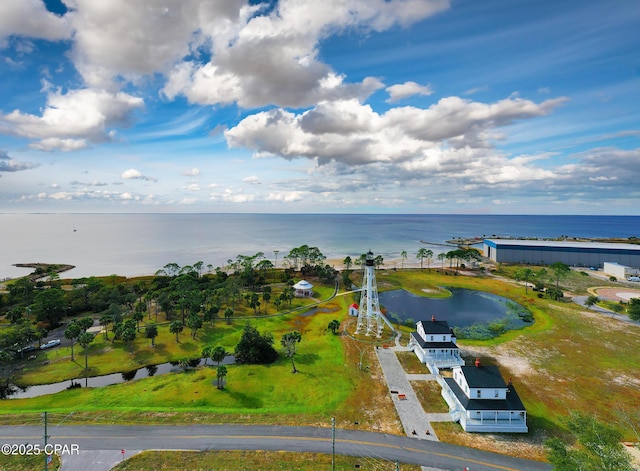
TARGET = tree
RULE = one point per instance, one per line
(72, 332)
(206, 353)
(254, 302)
(48, 306)
(560, 270)
(347, 262)
(151, 332)
(378, 261)
(266, 297)
(524, 274)
(599, 447)
(428, 254)
(403, 255)
(254, 348)
(85, 340)
(85, 323)
(333, 326)
(128, 334)
(175, 328)
(289, 341)
(211, 313)
(218, 354)
(442, 257)
(591, 300)
(194, 322)
(634, 309)
(105, 320)
(15, 315)
(138, 314)
(422, 254)
(228, 314)
(221, 374)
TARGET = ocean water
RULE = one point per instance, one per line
(139, 244)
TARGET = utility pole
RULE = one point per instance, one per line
(46, 437)
(333, 443)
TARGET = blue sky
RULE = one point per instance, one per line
(379, 106)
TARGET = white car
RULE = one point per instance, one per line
(50, 343)
(634, 278)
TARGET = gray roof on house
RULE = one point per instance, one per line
(427, 345)
(483, 376)
(436, 327)
(512, 402)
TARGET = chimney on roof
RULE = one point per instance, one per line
(477, 362)
(433, 318)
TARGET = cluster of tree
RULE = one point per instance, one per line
(12, 340)
(256, 348)
(360, 261)
(298, 257)
(559, 271)
(598, 447)
(76, 331)
(217, 355)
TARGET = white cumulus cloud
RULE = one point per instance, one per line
(30, 18)
(405, 90)
(71, 120)
(133, 174)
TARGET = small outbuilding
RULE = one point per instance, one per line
(622, 272)
(303, 289)
(354, 309)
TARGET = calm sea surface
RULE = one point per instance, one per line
(138, 244)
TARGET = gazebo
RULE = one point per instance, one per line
(303, 289)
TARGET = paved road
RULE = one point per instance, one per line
(100, 446)
(581, 300)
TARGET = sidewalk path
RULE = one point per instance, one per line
(410, 411)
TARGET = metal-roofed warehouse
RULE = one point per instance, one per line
(543, 252)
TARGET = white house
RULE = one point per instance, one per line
(303, 289)
(354, 309)
(481, 401)
(434, 343)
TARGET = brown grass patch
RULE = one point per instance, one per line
(247, 460)
(528, 446)
(428, 393)
(411, 364)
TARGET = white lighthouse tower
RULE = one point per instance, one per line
(369, 316)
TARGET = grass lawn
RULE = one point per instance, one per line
(251, 460)
(327, 384)
(27, 463)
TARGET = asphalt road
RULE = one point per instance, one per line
(100, 446)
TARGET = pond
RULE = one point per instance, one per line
(465, 310)
(16, 392)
